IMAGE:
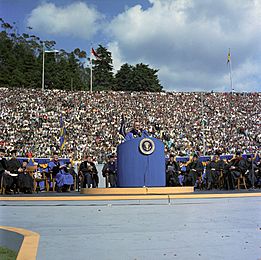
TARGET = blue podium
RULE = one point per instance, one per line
(141, 162)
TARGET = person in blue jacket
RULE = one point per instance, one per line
(59, 170)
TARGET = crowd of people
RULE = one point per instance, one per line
(18, 176)
(185, 121)
(27, 175)
(215, 173)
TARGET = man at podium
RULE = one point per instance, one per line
(136, 131)
(140, 160)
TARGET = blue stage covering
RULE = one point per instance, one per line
(31, 161)
(178, 159)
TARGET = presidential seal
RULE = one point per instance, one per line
(147, 146)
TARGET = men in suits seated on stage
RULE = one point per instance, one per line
(172, 172)
(194, 172)
(136, 131)
(109, 172)
(88, 173)
(59, 171)
(213, 171)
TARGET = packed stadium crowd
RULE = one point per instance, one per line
(185, 121)
(189, 124)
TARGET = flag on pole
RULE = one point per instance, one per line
(94, 53)
(228, 56)
(62, 133)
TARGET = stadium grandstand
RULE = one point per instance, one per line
(187, 122)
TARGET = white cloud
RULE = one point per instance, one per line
(188, 41)
(246, 77)
(113, 47)
(77, 19)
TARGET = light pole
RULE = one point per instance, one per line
(43, 70)
(91, 75)
(44, 51)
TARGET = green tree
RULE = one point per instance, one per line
(21, 66)
(145, 78)
(138, 78)
(7, 59)
(102, 70)
(123, 78)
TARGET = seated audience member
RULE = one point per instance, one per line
(59, 169)
(13, 166)
(183, 170)
(213, 171)
(250, 170)
(71, 170)
(194, 171)
(233, 170)
(4, 173)
(25, 180)
(89, 173)
(109, 171)
(136, 131)
(258, 171)
(172, 172)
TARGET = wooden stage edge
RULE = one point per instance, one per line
(138, 191)
(133, 197)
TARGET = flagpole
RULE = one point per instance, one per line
(43, 70)
(91, 74)
(230, 72)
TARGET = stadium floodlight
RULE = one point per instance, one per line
(44, 51)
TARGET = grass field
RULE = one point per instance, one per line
(7, 254)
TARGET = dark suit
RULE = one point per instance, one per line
(90, 174)
(110, 171)
(172, 173)
(194, 170)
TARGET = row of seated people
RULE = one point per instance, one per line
(88, 173)
(216, 173)
(16, 176)
(20, 177)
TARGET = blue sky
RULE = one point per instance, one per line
(187, 40)
(19, 10)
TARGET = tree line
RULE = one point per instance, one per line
(21, 58)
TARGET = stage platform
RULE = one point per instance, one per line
(138, 191)
(127, 198)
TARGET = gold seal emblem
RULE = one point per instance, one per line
(147, 146)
